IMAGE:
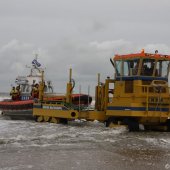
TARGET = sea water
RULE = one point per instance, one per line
(84, 145)
(80, 145)
(4, 96)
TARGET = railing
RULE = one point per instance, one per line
(154, 96)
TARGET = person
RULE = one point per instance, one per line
(146, 69)
(13, 93)
(35, 91)
(18, 93)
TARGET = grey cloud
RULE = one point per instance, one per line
(86, 60)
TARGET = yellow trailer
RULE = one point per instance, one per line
(62, 111)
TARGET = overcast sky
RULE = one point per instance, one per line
(82, 34)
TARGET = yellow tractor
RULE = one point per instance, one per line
(139, 95)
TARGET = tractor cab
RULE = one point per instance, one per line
(141, 69)
(141, 92)
(142, 66)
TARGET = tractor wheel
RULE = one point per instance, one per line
(39, 119)
(110, 121)
(133, 124)
(64, 121)
(168, 125)
(46, 118)
(54, 120)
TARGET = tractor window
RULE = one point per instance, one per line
(135, 67)
(127, 67)
(130, 67)
(147, 67)
(162, 68)
(118, 68)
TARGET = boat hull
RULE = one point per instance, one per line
(23, 109)
(18, 114)
(18, 110)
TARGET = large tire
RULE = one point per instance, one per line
(168, 125)
(46, 118)
(39, 119)
(64, 121)
(107, 123)
(132, 123)
(54, 120)
(110, 120)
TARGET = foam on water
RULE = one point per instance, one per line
(19, 134)
(161, 141)
(27, 133)
(79, 141)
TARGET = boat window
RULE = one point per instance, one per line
(147, 67)
(162, 68)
